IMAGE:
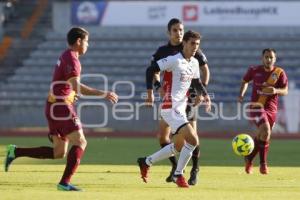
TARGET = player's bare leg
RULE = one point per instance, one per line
(60, 147)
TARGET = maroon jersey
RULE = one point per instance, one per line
(260, 77)
(67, 66)
(60, 112)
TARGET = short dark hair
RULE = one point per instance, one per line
(268, 50)
(172, 22)
(75, 33)
(191, 34)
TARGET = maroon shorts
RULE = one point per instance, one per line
(260, 116)
(62, 119)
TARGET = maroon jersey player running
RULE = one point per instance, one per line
(64, 125)
(269, 81)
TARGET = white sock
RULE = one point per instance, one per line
(184, 157)
(163, 153)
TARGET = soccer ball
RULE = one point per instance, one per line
(242, 144)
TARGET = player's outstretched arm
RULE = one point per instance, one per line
(83, 89)
(243, 90)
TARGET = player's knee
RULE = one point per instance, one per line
(265, 134)
(265, 129)
(164, 140)
(193, 140)
(196, 141)
(59, 154)
(178, 145)
(164, 136)
(83, 143)
(80, 141)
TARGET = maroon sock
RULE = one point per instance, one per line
(263, 151)
(73, 161)
(255, 150)
(36, 152)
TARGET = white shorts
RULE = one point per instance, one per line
(174, 118)
(190, 111)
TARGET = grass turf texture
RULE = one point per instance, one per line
(109, 171)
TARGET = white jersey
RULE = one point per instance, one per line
(181, 74)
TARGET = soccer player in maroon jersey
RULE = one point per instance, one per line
(64, 125)
(175, 33)
(269, 82)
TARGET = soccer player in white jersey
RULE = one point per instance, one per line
(185, 71)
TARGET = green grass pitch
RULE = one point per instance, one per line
(109, 171)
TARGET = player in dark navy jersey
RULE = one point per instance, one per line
(175, 33)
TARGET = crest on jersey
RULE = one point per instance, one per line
(189, 71)
(164, 60)
(274, 76)
(69, 69)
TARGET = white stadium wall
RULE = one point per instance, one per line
(137, 13)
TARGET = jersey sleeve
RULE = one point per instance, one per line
(196, 74)
(200, 56)
(156, 55)
(73, 68)
(167, 64)
(249, 75)
(283, 80)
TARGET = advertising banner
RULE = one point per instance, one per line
(158, 13)
(87, 12)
